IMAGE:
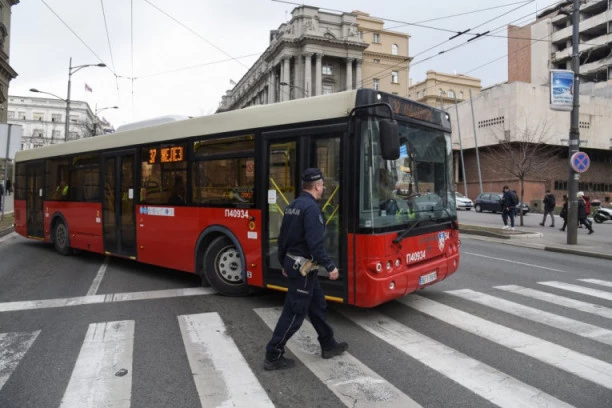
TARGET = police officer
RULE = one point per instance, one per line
(301, 239)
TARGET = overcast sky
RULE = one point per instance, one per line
(182, 54)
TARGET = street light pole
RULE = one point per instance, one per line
(95, 125)
(72, 70)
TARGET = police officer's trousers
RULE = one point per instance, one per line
(304, 297)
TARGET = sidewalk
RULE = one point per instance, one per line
(487, 226)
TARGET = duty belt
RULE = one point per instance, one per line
(304, 265)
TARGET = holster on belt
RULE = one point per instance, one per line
(304, 265)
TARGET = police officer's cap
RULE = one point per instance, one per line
(312, 174)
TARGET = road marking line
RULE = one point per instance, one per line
(109, 298)
(515, 262)
(491, 384)
(95, 285)
(13, 346)
(355, 384)
(597, 282)
(559, 300)
(550, 319)
(602, 294)
(222, 376)
(102, 374)
(589, 368)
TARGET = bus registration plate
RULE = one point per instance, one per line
(427, 278)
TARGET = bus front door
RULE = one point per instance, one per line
(118, 207)
(34, 200)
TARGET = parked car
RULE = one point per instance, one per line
(462, 202)
(491, 202)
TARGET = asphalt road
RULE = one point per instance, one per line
(69, 325)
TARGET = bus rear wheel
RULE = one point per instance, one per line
(223, 268)
(61, 239)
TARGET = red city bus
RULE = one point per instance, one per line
(207, 195)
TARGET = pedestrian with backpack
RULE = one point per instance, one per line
(549, 208)
(509, 201)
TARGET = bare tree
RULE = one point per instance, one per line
(523, 152)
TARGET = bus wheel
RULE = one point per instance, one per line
(61, 239)
(223, 268)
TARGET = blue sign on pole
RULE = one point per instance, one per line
(580, 162)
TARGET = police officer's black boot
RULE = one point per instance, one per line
(338, 349)
(277, 363)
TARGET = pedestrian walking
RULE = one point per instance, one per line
(563, 213)
(9, 187)
(549, 208)
(1, 196)
(301, 252)
(508, 203)
(582, 213)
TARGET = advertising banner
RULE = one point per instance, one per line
(15, 142)
(561, 89)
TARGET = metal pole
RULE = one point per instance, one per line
(461, 149)
(8, 145)
(574, 135)
(476, 143)
(67, 130)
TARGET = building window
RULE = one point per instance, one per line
(461, 94)
(376, 38)
(451, 94)
(38, 116)
(361, 35)
(56, 134)
(376, 84)
(56, 117)
(74, 118)
(418, 94)
(21, 115)
(440, 92)
(328, 89)
(37, 133)
(394, 49)
(394, 77)
(424, 91)
(326, 69)
(10, 115)
(376, 61)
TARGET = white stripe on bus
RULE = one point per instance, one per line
(109, 298)
(550, 319)
(13, 346)
(602, 294)
(597, 282)
(589, 368)
(493, 385)
(102, 375)
(559, 300)
(222, 376)
(355, 384)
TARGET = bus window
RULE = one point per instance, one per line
(58, 186)
(84, 178)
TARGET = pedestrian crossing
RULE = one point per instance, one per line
(568, 335)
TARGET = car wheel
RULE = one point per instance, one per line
(61, 239)
(478, 208)
(223, 268)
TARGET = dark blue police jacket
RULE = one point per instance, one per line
(302, 232)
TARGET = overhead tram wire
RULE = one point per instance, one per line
(110, 50)
(194, 33)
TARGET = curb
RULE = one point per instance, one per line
(577, 252)
(6, 231)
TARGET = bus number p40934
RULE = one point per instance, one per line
(236, 213)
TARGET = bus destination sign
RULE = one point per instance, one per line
(171, 154)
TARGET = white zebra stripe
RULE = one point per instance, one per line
(13, 346)
(559, 300)
(602, 294)
(102, 375)
(221, 374)
(550, 319)
(355, 384)
(597, 282)
(498, 388)
(563, 358)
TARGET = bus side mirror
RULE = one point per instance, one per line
(389, 139)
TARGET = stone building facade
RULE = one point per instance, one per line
(318, 53)
(6, 71)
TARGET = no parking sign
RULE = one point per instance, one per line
(580, 162)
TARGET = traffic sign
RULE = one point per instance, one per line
(580, 162)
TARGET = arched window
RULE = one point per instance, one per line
(440, 92)
(451, 93)
(394, 49)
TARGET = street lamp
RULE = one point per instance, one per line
(304, 91)
(72, 70)
(95, 126)
(47, 93)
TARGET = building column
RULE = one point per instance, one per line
(358, 74)
(307, 74)
(298, 70)
(349, 74)
(272, 86)
(318, 80)
(286, 78)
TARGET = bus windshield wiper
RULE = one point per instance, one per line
(404, 234)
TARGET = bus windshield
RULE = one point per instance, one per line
(417, 186)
